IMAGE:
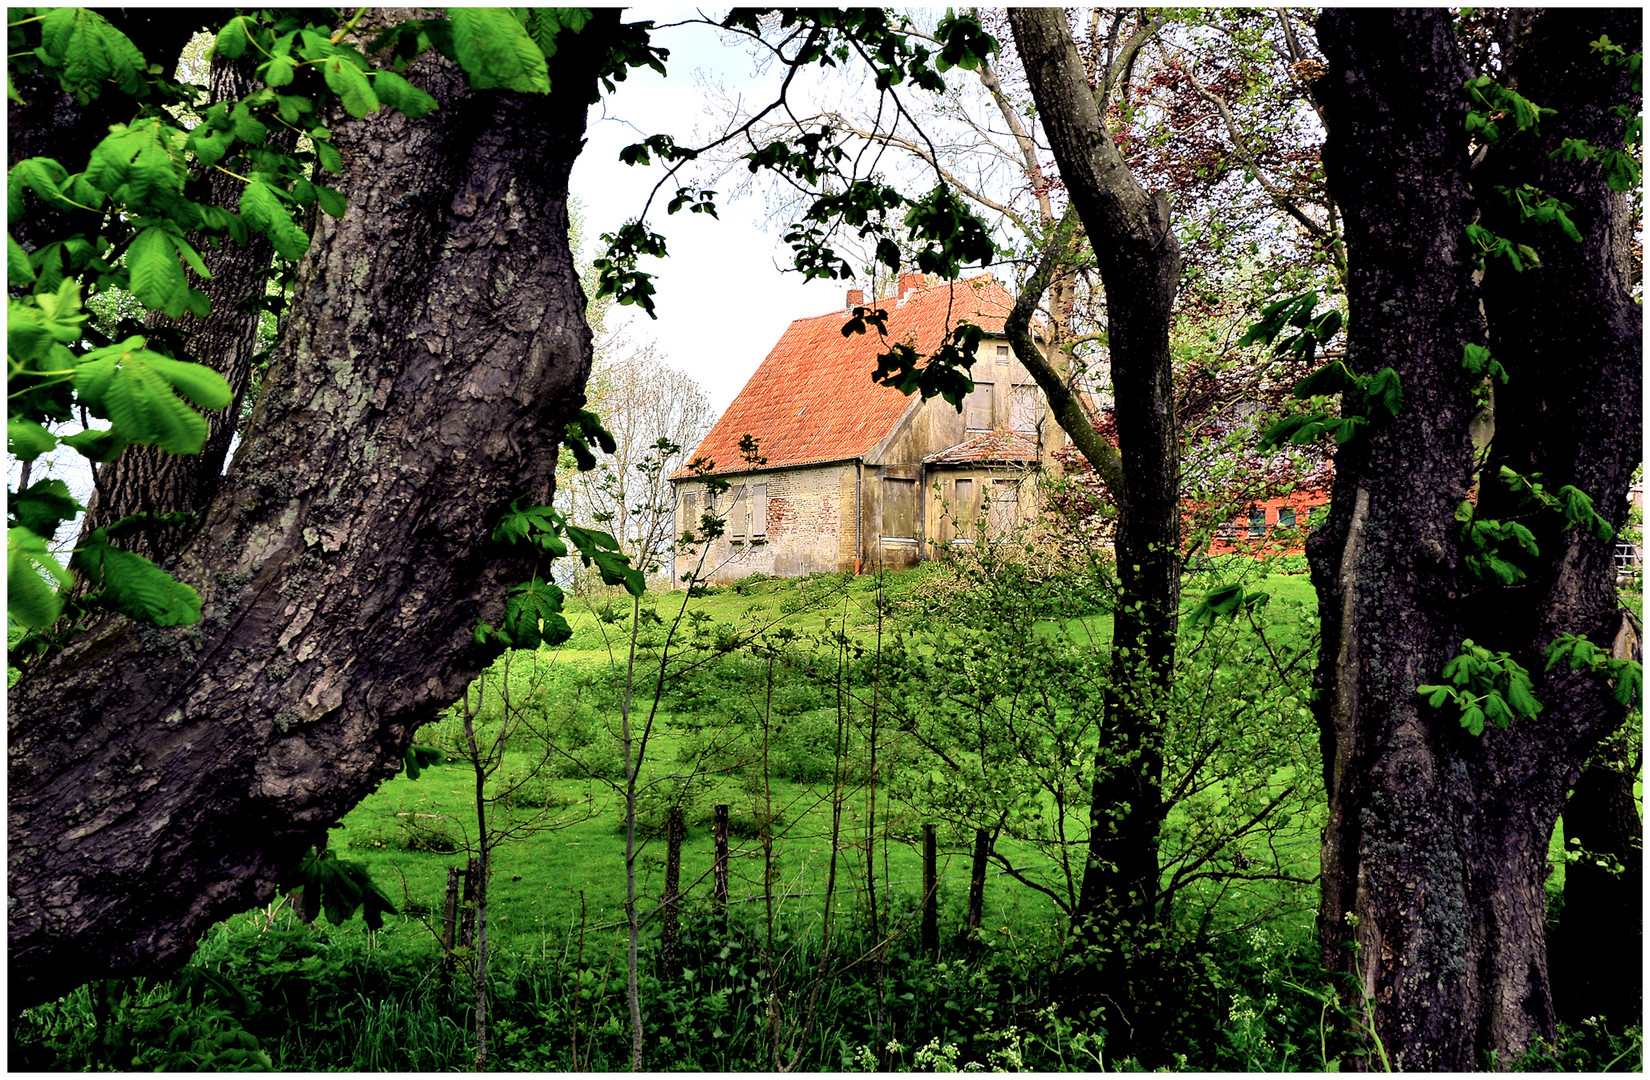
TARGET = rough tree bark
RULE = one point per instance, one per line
(1435, 848)
(1139, 260)
(163, 778)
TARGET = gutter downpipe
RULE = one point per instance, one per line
(859, 512)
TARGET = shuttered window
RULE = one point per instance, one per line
(977, 409)
(690, 513)
(759, 509)
(899, 509)
(1004, 514)
(1023, 410)
(738, 511)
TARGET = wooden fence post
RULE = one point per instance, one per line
(719, 832)
(976, 878)
(930, 892)
(449, 924)
(467, 924)
(671, 930)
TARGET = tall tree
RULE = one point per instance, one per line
(344, 561)
(1434, 857)
(1139, 262)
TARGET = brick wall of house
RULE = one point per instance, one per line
(810, 526)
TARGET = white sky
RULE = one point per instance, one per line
(726, 292)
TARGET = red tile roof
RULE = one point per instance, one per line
(999, 445)
(812, 400)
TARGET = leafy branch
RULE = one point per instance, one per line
(1485, 686)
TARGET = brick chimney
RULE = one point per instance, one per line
(908, 283)
(856, 298)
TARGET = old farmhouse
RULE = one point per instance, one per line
(859, 476)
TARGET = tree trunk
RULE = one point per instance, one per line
(161, 779)
(1603, 914)
(1435, 850)
(1139, 260)
(147, 478)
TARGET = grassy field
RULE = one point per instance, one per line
(774, 694)
(563, 873)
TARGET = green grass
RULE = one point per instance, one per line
(566, 871)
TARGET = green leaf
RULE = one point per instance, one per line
(43, 506)
(232, 42)
(41, 175)
(157, 276)
(532, 615)
(350, 84)
(134, 389)
(138, 164)
(98, 446)
(333, 202)
(495, 51)
(279, 71)
(26, 439)
(1333, 378)
(134, 586)
(263, 210)
(31, 600)
(91, 53)
(402, 95)
(1435, 695)
(18, 271)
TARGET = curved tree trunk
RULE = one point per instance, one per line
(1139, 261)
(161, 779)
(1435, 851)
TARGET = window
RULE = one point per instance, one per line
(1002, 356)
(977, 409)
(1257, 521)
(1627, 556)
(1005, 509)
(964, 510)
(1022, 413)
(690, 512)
(738, 511)
(759, 510)
(1286, 517)
(899, 509)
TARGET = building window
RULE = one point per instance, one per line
(1004, 512)
(1002, 356)
(690, 512)
(978, 409)
(964, 510)
(759, 510)
(1257, 521)
(1023, 410)
(899, 509)
(1286, 517)
(1627, 556)
(738, 512)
